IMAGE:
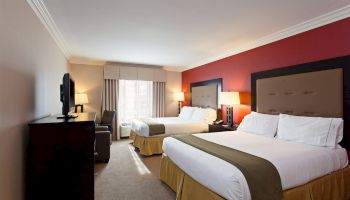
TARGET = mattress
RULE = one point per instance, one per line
(173, 125)
(296, 163)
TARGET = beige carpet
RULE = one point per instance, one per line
(129, 175)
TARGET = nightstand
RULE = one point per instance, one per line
(221, 127)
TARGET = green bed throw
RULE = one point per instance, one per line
(262, 176)
(155, 128)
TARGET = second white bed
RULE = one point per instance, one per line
(228, 181)
(173, 125)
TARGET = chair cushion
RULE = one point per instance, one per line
(101, 128)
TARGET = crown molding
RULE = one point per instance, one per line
(43, 14)
(86, 61)
(174, 69)
(316, 22)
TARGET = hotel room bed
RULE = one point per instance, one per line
(150, 145)
(195, 119)
(173, 125)
(228, 182)
(310, 161)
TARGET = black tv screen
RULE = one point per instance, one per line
(67, 95)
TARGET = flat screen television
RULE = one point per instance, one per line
(67, 93)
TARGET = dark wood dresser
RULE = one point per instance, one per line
(60, 158)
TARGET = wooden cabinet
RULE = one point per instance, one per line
(60, 158)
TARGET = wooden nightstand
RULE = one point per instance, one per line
(221, 127)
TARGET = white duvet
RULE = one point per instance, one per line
(173, 125)
(296, 163)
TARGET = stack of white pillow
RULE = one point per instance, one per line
(207, 115)
(318, 131)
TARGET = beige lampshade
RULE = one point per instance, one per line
(230, 98)
(81, 99)
(179, 96)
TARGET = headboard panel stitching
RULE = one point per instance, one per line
(205, 97)
(317, 93)
(340, 62)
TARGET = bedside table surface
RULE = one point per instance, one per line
(220, 128)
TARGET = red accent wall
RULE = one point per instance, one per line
(329, 41)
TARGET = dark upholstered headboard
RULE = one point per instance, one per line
(317, 93)
(207, 94)
(312, 89)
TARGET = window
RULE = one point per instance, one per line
(135, 100)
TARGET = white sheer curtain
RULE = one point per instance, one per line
(135, 100)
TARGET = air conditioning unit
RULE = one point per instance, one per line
(125, 130)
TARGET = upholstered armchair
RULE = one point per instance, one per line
(103, 136)
(107, 119)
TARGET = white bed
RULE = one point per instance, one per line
(226, 180)
(190, 120)
(173, 125)
(310, 147)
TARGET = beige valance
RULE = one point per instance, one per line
(134, 72)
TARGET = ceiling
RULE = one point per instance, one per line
(178, 34)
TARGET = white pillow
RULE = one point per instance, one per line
(340, 131)
(211, 115)
(318, 131)
(259, 124)
(186, 112)
(207, 115)
(199, 114)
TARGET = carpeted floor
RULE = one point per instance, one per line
(129, 175)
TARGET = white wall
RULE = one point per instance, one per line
(31, 69)
(173, 84)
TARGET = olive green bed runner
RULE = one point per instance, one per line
(262, 177)
(155, 128)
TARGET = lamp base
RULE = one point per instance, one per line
(81, 108)
(229, 121)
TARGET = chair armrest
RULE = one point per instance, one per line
(109, 125)
(101, 128)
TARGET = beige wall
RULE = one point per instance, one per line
(31, 69)
(173, 85)
(88, 79)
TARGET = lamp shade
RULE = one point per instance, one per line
(81, 99)
(179, 96)
(230, 98)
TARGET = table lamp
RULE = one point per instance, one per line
(179, 96)
(80, 99)
(229, 99)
